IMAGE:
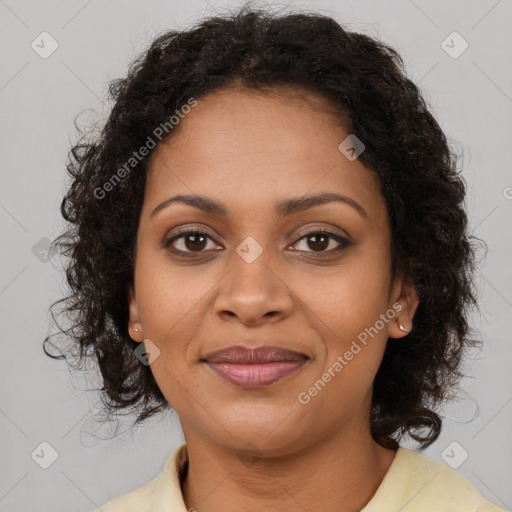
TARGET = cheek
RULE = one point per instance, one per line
(168, 296)
(349, 298)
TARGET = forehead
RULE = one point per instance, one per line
(249, 148)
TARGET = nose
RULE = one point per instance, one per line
(253, 294)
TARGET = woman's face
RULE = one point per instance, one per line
(257, 278)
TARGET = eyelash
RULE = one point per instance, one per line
(344, 243)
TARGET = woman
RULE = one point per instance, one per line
(269, 236)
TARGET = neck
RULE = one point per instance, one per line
(344, 469)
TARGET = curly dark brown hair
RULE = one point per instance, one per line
(404, 145)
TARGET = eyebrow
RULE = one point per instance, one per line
(283, 208)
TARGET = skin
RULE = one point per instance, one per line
(249, 151)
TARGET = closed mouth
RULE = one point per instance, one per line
(251, 368)
(238, 354)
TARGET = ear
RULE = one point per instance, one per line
(134, 317)
(404, 304)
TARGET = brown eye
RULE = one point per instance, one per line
(320, 240)
(191, 241)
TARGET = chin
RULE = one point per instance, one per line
(264, 437)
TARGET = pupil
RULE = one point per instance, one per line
(322, 244)
(194, 244)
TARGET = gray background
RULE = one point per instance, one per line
(470, 95)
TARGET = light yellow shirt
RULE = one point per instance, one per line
(413, 483)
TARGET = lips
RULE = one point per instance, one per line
(243, 355)
(253, 368)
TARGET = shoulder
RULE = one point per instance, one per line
(425, 485)
(155, 495)
(138, 500)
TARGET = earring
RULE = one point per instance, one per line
(135, 329)
(402, 328)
